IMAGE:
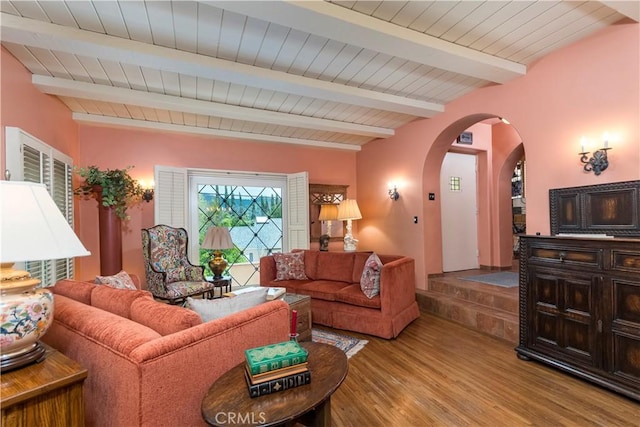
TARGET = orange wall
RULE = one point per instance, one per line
(24, 106)
(117, 148)
(585, 89)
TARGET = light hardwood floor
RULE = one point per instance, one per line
(437, 373)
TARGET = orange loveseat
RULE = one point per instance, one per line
(150, 363)
(336, 297)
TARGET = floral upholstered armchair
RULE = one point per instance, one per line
(170, 275)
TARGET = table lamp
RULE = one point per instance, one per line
(32, 228)
(328, 213)
(348, 210)
(217, 238)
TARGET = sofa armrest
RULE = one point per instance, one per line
(267, 270)
(397, 285)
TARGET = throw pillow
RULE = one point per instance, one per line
(177, 274)
(370, 280)
(121, 280)
(210, 309)
(290, 266)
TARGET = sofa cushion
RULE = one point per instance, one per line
(163, 318)
(221, 307)
(360, 258)
(116, 332)
(79, 291)
(322, 289)
(335, 266)
(311, 264)
(290, 266)
(116, 301)
(353, 295)
(121, 280)
(370, 281)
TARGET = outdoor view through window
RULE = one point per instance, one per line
(253, 216)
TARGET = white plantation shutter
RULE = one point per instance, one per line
(297, 220)
(29, 159)
(170, 196)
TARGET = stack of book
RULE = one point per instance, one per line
(276, 367)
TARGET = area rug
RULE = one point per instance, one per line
(350, 345)
(507, 279)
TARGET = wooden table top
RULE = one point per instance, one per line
(229, 395)
(55, 371)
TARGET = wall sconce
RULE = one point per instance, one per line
(147, 191)
(599, 161)
(393, 192)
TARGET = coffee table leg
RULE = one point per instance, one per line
(318, 417)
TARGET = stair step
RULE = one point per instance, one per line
(505, 299)
(491, 321)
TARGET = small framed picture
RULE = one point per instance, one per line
(465, 138)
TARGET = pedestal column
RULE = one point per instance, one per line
(110, 227)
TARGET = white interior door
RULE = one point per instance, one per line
(458, 191)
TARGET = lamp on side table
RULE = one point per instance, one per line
(32, 229)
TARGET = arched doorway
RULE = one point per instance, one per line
(496, 162)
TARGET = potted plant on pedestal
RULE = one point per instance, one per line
(114, 190)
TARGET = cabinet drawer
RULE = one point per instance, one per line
(626, 261)
(587, 257)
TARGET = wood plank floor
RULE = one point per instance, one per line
(438, 373)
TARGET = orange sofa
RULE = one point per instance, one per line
(150, 363)
(336, 298)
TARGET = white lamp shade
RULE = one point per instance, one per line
(328, 212)
(348, 209)
(217, 238)
(32, 227)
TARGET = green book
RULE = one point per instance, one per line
(274, 356)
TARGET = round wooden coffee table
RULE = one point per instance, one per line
(228, 402)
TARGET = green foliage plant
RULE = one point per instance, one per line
(118, 188)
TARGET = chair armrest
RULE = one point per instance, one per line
(267, 270)
(397, 285)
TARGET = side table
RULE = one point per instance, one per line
(48, 393)
(228, 402)
(302, 304)
(223, 283)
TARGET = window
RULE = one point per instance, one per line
(29, 159)
(454, 183)
(265, 213)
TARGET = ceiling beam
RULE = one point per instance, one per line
(45, 35)
(94, 119)
(339, 23)
(76, 89)
(630, 9)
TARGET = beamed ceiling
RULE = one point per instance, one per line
(330, 74)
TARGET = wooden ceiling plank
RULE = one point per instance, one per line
(188, 86)
(171, 83)
(161, 24)
(185, 13)
(271, 45)
(94, 69)
(111, 18)
(86, 16)
(204, 87)
(137, 20)
(73, 66)
(26, 57)
(209, 22)
(337, 23)
(115, 73)
(58, 13)
(251, 41)
(30, 9)
(231, 31)
(152, 79)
